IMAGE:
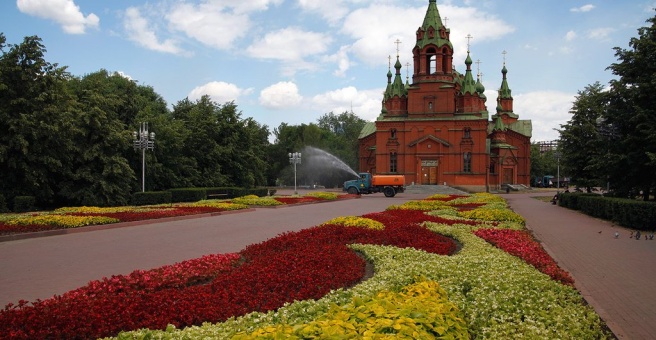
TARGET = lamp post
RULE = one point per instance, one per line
(295, 158)
(557, 155)
(143, 141)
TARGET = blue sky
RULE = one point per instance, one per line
(295, 60)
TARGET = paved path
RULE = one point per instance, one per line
(38, 268)
(616, 276)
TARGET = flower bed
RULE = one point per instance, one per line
(292, 266)
(290, 286)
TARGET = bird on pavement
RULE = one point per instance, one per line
(617, 235)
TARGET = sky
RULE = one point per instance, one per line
(293, 61)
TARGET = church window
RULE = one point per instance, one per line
(467, 162)
(393, 133)
(393, 162)
(445, 59)
(430, 106)
(492, 168)
(467, 132)
(431, 59)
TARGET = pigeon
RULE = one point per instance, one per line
(651, 237)
(599, 231)
(617, 235)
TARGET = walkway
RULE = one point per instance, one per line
(38, 268)
(617, 276)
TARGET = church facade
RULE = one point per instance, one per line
(437, 130)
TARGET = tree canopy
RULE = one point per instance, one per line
(67, 140)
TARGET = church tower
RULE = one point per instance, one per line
(435, 127)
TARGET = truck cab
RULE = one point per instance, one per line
(358, 186)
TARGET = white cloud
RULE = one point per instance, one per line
(375, 33)
(600, 33)
(365, 104)
(64, 12)
(571, 35)
(139, 31)
(332, 11)
(210, 23)
(281, 95)
(547, 110)
(289, 44)
(220, 92)
(341, 58)
(584, 8)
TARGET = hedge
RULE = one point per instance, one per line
(3, 204)
(24, 203)
(626, 212)
(151, 197)
(188, 194)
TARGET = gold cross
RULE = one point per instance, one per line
(478, 66)
(468, 37)
(407, 70)
(446, 20)
(504, 57)
(397, 42)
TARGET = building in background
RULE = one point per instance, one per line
(437, 130)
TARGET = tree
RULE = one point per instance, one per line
(37, 120)
(582, 148)
(632, 114)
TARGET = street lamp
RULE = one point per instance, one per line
(295, 158)
(557, 155)
(143, 141)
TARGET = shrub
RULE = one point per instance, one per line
(151, 197)
(24, 203)
(3, 204)
(188, 194)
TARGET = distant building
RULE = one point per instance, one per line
(437, 129)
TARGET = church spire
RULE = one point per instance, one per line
(433, 31)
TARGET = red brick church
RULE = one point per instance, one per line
(437, 130)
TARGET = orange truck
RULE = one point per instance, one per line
(390, 185)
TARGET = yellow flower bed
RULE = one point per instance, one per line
(438, 196)
(65, 221)
(420, 205)
(420, 311)
(100, 210)
(255, 200)
(495, 214)
(219, 205)
(481, 197)
(323, 194)
(354, 221)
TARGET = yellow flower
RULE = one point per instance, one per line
(354, 221)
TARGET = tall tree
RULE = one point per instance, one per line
(582, 147)
(36, 122)
(632, 113)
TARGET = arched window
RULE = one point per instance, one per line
(467, 132)
(445, 60)
(430, 106)
(467, 162)
(393, 162)
(393, 133)
(431, 60)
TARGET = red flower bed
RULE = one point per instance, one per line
(410, 216)
(8, 229)
(521, 244)
(293, 266)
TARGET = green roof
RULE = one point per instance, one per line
(367, 129)
(432, 19)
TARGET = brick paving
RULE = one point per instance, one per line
(616, 276)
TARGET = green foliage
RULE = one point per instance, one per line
(3, 204)
(188, 194)
(581, 145)
(24, 203)
(151, 197)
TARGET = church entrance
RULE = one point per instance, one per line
(508, 176)
(429, 172)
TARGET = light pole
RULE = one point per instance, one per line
(144, 141)
(295, 158)
(557, 154)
